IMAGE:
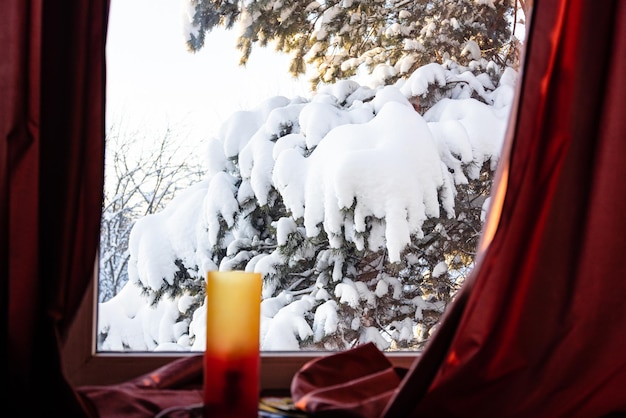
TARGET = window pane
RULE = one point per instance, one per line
(360, 201)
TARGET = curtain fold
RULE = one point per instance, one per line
(538, 331)
(52, 75)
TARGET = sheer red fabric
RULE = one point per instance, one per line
(353, 383)
(176, 386)
(538, 330)
(51, 176)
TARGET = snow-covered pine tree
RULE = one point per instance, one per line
(336, 273)
(138, 183)
(337, 37)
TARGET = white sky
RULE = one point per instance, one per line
(153, 81)
(396, 164)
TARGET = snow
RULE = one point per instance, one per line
(145, 238)
(326, 320)
(287, 326)
(349, 153)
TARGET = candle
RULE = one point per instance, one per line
(231, 359)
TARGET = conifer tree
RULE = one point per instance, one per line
(332, 289)
(338, 286)
(337, 37)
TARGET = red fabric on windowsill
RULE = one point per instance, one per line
(178, 383)
(353, 383)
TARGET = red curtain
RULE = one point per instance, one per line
(52, 77)
(540, 328)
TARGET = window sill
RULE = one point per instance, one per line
(84, 367)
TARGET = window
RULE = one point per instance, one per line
(348, 289)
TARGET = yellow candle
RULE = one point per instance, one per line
(231, 359)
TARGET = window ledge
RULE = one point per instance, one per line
(84, 367)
